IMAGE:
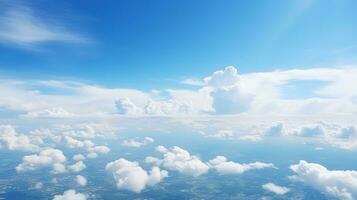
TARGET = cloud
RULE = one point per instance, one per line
(224, 92)
(279, 190)
(341, 184)
(134, 143)
(77, 167)
(49, 113)
(180, 160)
(81, 180)
(130, 176)
(349, 132)
(275, 130)
(222, 166)
(11, 140)
(229, 95)
(311, 131)
(153, 160)
(87, 145)
(70, 195)
(20, 26)
(126, 107)
(79, 157)
(45, 158)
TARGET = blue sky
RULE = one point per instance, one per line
(151, 44)
(162, 98)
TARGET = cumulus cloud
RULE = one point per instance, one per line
(222, 166)
(180, 160)
(311, 131)
(153, 160)
(77, 167)
(279, 190)
(275, 130)
(127, 107)
(81, 180)
(78, 157)
(135, 143)
(45, 158)
(70, 195)
(88, 145)
(341, 184)
(229, 94)
(11, 140)
(130, 176)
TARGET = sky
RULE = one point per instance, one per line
(142, 45)
(83, 83)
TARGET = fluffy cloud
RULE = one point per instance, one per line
(130, 176)
(153, 160)
(275, 130)
(134, 143)
(279, 190)
(221, 165)
(81, 180)
(77, 167)
(78, 157)
(70, 195)
(229, 94)
(11, 140)
(311, 131)
(180, 160)
(45, 158)
(125, 106)
(341, 184)
(87, 145)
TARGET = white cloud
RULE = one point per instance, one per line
(45, 158)
(161, 149)
(49, 113)
(153, 160)
(221, 165)
(229, 94)
(130, 176)
(341, 184)
(311, 131)
(88, 145)
(252, 138)
(126, 107)
(275, 130)
(81, 180)
(21, 27)
(135, 143)
(11, 140)
(279, 190)
(79, 157)
(224, 92)
(180, 160)
(77, 167)
(70, 195)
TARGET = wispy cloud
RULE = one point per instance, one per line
(21, 27)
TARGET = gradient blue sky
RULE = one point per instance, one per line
(155, 44)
